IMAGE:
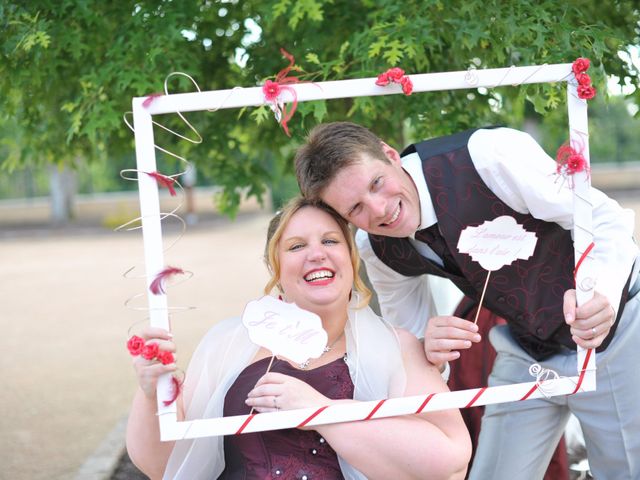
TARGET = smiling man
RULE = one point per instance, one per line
(410, 209)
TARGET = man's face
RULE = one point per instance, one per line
(375, 196)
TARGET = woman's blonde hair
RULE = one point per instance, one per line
(277, 225)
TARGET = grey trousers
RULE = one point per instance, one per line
(518, 439)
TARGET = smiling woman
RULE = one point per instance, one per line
(312, 254)
(312, 259)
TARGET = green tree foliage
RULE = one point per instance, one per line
(68, 71)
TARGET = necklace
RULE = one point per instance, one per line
(304, 365)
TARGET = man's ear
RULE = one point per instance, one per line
(391, 153)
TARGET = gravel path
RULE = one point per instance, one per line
(64, 327)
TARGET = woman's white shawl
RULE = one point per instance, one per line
(373, 357)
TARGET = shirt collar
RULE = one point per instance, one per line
(413, 166)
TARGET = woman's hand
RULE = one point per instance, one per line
(275, 391)
(148, 371)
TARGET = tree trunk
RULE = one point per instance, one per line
(62, 183)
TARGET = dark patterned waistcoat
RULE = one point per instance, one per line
(528, 294)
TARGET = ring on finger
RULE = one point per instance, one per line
(593, 330)
(275, 403)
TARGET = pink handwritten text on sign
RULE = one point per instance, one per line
(285, 329)
(497, 243)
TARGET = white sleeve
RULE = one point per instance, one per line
(522, 175)
(405, 302)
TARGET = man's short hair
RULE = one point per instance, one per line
(331, 147)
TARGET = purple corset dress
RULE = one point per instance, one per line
(283, 454)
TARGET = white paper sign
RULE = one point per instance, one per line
(497, 243)
(285, 329)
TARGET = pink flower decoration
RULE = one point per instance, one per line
(580, 65)
(569, 162)
(585, 89)
(165, 357)
(383, 79)
(583, 79)
(395, 75)
(586, 92)
(575, 163)
(135, 345)
(150, 351)
(407, 85)
(271, 90)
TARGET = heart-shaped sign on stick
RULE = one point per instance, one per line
(285, 329)
(496, 243)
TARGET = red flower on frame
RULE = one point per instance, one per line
(165, 357)
(395, 74)
(580, 65)
(575, 163)
(135, 345)
(583, 79)
(383, 79)
(407, 85)
(271, 90)
(569, 162)
(586, 92)
(150, 351)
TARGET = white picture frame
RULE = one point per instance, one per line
(172, 429)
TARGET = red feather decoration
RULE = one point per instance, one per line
(177, 387)
(164, 181)
(157, 285)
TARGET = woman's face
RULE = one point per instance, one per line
(315, 265)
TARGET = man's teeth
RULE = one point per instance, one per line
(395, 216)
(319, 274)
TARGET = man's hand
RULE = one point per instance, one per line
(446, 335)
(591, 322)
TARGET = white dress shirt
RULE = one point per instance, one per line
(523, 176)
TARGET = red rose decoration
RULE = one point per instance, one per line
(395, 74)
(583, 79)
(150, 351)
(135, 345)
(407, 85)
(580, 65)
(165, 357)
(383, 79)
(586, 92)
